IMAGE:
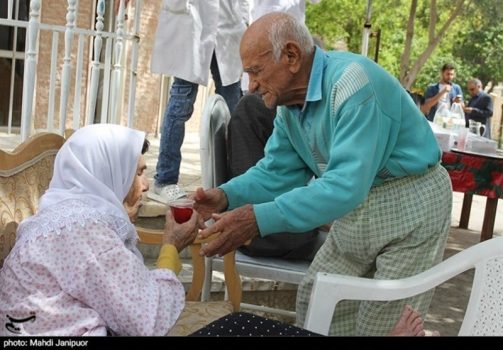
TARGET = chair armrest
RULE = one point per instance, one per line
(153, 236)
(329, 289)
(231, 275)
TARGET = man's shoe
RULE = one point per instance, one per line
(166, 194)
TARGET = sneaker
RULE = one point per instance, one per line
(166, 194)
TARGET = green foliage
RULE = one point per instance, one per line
(480, 47)
(474, 41)
(322, 20)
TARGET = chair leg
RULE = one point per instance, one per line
(198, 273)
(208, 276)
(232, 280)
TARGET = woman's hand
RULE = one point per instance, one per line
(180, 235)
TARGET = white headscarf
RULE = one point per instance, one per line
(97, 166)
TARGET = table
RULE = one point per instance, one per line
(476, 174)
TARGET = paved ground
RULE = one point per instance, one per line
(449, 302)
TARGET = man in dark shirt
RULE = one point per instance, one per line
(480, 106)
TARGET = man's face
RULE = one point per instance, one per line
(132, 202)
(268, 78)
(473, 89)
(448, 76)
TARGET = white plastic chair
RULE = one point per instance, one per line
(213, 151)
(484, 313)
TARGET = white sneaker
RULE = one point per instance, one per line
(166, 194)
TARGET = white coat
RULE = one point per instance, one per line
(188, 33)
(296, 8)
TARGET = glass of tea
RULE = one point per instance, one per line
(182, 209)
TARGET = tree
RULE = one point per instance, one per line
(436, 32)
(410, 34)
(480, 47)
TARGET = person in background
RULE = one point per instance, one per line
(444, 92)
(192, 39)
(75, 269)
(480, 106)
(376, 163)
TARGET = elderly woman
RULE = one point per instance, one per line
(75, 269)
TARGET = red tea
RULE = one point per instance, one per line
(181, 215)
(182, 209)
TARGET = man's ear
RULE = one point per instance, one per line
(292, 56)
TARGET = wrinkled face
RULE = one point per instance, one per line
(268, 78)
(448, 75)
(140, 184)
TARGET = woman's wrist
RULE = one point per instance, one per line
(169, 258)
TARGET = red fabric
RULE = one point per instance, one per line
(474, 174)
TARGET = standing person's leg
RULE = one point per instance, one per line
(332, 257)
(231, 93)
(425, 218)
(178, 110)
(399, 231)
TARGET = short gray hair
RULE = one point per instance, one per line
(288, 28)
(475, 82)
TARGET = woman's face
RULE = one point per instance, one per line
(132, 202)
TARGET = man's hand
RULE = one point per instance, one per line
(235, 227)
(210, 201)
(180, 235)
(468, 109)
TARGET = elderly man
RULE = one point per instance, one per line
(480, 106)
(347, 122)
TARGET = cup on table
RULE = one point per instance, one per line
(182, 209)
(461, 139)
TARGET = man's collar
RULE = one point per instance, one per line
(316, 77)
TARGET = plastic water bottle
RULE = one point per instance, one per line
(457, 115)
(442, 116)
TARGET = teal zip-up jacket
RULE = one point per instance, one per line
(358, 127)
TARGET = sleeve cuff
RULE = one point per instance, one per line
(229, 193)
(169, 258)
